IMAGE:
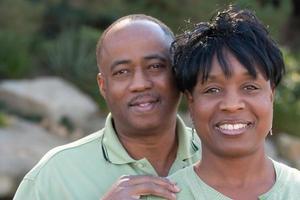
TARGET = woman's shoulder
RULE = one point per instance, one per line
(286, 172)
(287, 181)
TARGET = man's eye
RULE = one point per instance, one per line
(212, 90)
(120, 72)
(156, 66)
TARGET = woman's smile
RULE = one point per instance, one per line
(233, 128)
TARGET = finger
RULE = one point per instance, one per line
(138, 179)
(136, 196)
(152, 189)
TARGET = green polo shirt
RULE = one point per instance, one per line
(286, 187)
(87, 168)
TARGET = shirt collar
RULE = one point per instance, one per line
(115, 152)
(189, 142)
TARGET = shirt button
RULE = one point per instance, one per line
(140, 165)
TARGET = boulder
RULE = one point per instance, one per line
(22, 144)
(289, 148)
(271, 150)
(49, 97)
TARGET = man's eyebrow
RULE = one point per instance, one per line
(156, 56)
(118, 62)
(148, 57)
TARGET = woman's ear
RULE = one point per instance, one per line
(272, 93)
(188, 96)
(101, 85)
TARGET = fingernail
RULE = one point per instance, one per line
(177, 189)
(171, 181)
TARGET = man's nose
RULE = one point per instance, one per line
(140, 81)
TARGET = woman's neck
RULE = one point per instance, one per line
(244, 177)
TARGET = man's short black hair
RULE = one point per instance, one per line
(233, 30)
(133, 17)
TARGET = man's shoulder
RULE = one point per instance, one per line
(71, 152)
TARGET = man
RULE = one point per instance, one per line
(142, 135)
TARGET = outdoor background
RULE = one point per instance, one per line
(56, 39)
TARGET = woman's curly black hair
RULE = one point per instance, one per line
(234, 30)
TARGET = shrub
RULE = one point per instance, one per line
(3, 121)
(21, 16)
(15, 60)
(287, 103)
(72, 56)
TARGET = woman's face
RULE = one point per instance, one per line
(232, 115)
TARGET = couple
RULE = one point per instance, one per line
(227, 68)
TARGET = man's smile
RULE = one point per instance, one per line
(144, 103)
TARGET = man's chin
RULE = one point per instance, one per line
(146, 123)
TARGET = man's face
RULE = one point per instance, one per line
(136, 79)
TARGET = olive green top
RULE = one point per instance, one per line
(87, 168)
(286, 187)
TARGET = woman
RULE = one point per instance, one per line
(229, 69)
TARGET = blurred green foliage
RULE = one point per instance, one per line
(15, 58)
(3, 120)
(71, 55)
(58, 37)
(287, 102)
(21, 16)
(19, 21)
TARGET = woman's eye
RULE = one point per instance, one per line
(250, 87)
(212, 90)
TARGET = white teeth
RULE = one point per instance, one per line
(144, 104)
(232, 126)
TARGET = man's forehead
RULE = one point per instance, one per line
(129, 26)
(127, 22)
(139, 31)
(145, 35)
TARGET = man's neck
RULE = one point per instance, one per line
(159, 147)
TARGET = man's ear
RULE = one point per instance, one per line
(101, 84)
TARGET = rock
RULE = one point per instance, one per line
(7, 186)
(271, 150)
(49, 97)
(22, 144)
(289, 148)
(95, 123)
(297, 164)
